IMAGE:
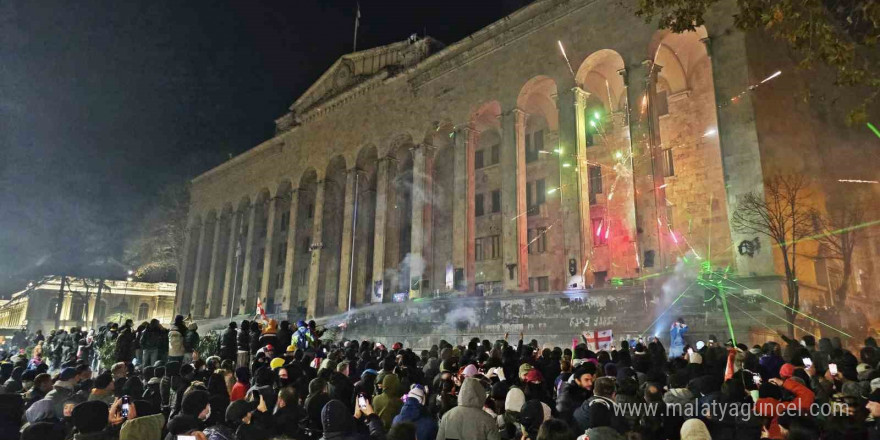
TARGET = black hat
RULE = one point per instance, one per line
(238, 409)
(194, 402)
(67, 374)
(90, 416)
(103, 380)
(182, 424)
(874, 396)
(43, 431)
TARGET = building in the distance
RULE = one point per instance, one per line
(501, 163)
(81, 305)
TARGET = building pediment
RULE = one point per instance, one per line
(355, 70)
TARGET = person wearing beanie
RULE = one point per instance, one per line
(531, 417)
(468, 421)
(315, 401)
(413, 411)
(104, 389)
(694, 429)
(91, 420)
(786, 371)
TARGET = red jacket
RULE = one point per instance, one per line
(238, 391)
(770, 407)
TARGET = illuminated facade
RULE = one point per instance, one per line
(36, 307)
(500, 164)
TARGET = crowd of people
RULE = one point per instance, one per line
(273, 380)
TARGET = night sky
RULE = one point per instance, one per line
(102, 103)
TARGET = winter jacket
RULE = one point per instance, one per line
(582, 414)
(58, 395)
(388, 404)
(191, 339)
(255, 341)
(468, 421)
(244, 340)
(143, 428)
(767, 406)
(338, 424)
(124, 345)
(228, 344)
(175, 343)
(286, 421)
(150, 339)
(570, 398)
(413, 412)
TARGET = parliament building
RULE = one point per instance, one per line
(567, 146)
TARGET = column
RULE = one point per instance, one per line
(268, 254)
(214, 273)
(317, 245)
(233, 253)
(641, 81)
(463, 221)
(348, 228)
(583, 183)
(91, 302)
(382, 182)
(244, 294)
(65, 307)
(513, 201)
(738, 137)
(199, 279)
(183, 274)
(572, 166)
(419, 185)
(288, 299)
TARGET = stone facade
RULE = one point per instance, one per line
(35, 307)
(494, 166)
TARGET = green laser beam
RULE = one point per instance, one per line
(779, 317)
(669, 307)
(753, 318)
(792, 309)
(874, 129)
(727, 316)
(835, 232)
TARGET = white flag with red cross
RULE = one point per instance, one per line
(599, 339)
(261, 312)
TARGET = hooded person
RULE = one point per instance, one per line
(413, 411)
(263, 381)
(468, 421)
(338, 423)
(388, 404)
(315, 401)
(601, 423)
(190, 341)
(62, 390)
(41, 411)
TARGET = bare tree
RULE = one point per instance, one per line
(784, 217)
(156, 250)
(839, 238)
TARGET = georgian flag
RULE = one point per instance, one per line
(261, 312)
(599, 339)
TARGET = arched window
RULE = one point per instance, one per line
(77, 307)
(143, 312)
